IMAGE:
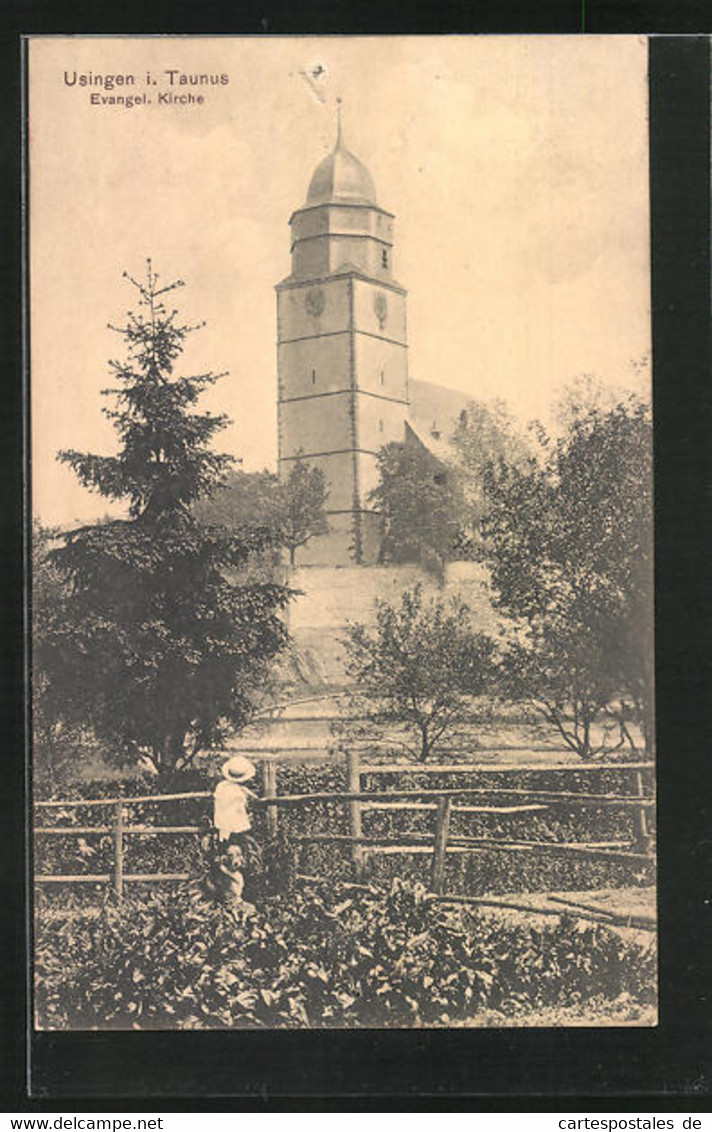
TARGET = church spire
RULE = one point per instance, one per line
(340, 176)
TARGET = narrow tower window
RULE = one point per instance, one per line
(313, 377)
(383, 378)
(384, 257)
(380, 426)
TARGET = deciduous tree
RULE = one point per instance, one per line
(485, 434)
(419, 668)
(423, 507)
(286, 513)
(304, 507)
(432, 505)
(569, 540)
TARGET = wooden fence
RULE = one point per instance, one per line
(119, 831)
(442, 802)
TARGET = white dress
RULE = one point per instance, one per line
(230, 812)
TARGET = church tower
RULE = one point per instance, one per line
(342, 353)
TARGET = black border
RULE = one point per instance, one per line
(486, 1069)
(13, 1037)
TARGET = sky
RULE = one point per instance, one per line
(516, 167)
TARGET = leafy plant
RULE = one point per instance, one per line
(569, 542)
(420, 668)
(422, 505)
(285, 513)
(371, 958)
(304, 497)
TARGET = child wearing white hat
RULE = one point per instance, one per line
(231, 819)
(230, 815)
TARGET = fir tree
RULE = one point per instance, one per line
(161, 653)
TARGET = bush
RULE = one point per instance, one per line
(379, 958)
(485, 872)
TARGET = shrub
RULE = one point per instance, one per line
(378, 958)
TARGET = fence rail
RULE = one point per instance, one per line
(490, 768)
(357, 802)
(125, 799)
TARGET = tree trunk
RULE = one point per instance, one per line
(173, 750)
(47, 742)
(648, 729)
(424, 744)
(292, 555)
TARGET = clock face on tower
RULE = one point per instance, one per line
(315, 301)
(380, 306)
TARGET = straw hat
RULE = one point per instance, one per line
(238, 769)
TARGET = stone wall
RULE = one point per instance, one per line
(331, 597)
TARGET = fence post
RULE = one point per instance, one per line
(353, 765)
(119, 851)
(442, 829)
(269, 790)
(640, 819)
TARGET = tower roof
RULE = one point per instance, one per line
(341, 177)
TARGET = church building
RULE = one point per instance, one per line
(343, 385)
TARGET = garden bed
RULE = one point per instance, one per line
(378, 957)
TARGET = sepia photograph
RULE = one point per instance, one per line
(342, 533)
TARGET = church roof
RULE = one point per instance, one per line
(340, 177)
(444, 452)
(435, 406)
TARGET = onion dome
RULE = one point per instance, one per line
(340, 178)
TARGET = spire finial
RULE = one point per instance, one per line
(339, 138)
